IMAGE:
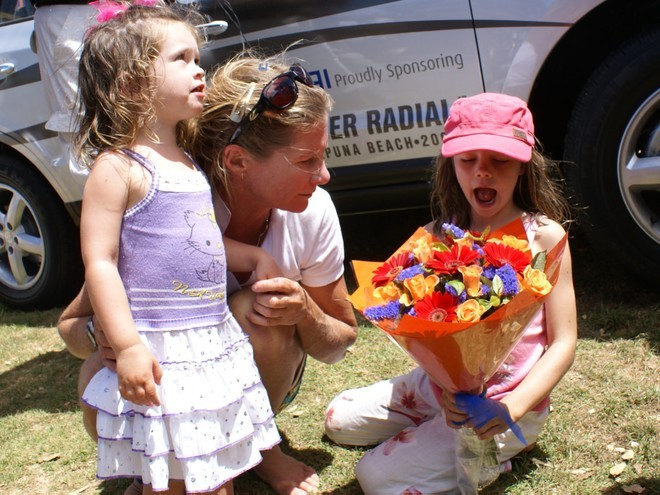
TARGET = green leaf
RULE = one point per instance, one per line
(439, 246)
(495, 301)
(498, 285)
(538, 263)
(458, 286)
(485, 304)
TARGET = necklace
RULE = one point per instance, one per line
(264, 231)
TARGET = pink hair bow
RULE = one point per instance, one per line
(108, 9)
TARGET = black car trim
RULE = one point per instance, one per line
(27, 75)
(378, 29)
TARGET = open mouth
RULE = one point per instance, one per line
(484, 195)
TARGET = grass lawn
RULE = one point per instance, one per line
(602, 435)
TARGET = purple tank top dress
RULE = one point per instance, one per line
(214, 416)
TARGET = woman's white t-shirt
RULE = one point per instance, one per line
(308, 246)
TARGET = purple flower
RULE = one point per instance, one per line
(489, 272)
(452, 230)
(389, 311)
(409, 273)
(509, 280)
(450, 290)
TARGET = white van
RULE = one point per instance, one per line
(587, 68)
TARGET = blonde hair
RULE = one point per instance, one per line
(228, 90)
(538, 192)
(116, 81)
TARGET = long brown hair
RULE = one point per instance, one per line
(538, 191)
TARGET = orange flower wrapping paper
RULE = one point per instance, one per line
(461, 357)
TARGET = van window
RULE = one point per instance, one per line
(11, 10)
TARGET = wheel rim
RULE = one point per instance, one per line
(21, 241)
(639, 166)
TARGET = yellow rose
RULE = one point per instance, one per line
(536, 281)
(471, 279)
(514, 242)
(465, 242)
(469, 312)
(422, 248)
(389, 292)
(418, 286)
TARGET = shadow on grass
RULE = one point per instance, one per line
(47, 383)
(351, 488)
(650, 485)
(30, 318)
(115, 487)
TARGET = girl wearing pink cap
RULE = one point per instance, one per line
(489, 173)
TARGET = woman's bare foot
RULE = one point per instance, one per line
(286, 475)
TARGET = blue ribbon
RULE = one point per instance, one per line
(481, 410)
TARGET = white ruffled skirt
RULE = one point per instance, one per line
(213, 421)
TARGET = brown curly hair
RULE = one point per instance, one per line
(538, 191)
(115, 83)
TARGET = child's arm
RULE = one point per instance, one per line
(105, 198)
(561, 325)
(246, 258)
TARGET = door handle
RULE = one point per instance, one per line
(6, 69)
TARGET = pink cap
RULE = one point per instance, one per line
(489, 121)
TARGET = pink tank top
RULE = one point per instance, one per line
(527, 351)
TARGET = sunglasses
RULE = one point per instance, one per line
(279, 94)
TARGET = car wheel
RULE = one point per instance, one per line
(40, 264)
(613, 154)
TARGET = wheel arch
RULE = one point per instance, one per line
(72, 209)
(575, 57)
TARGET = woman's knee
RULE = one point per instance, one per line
(274, 342)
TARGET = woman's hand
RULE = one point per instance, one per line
(138, 373)
(278, 302)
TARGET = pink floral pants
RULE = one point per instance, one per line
(414, 451)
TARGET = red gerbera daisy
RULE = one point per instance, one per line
(447, 262)
(498, 255)
(437, 307)
(388, 271)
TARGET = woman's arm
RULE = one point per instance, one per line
(324, 319)
(72, 326)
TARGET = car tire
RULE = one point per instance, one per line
(40, 264)
(612, 150)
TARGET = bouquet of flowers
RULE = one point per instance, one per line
(459, 303)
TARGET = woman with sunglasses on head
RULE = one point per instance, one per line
(261, 139)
